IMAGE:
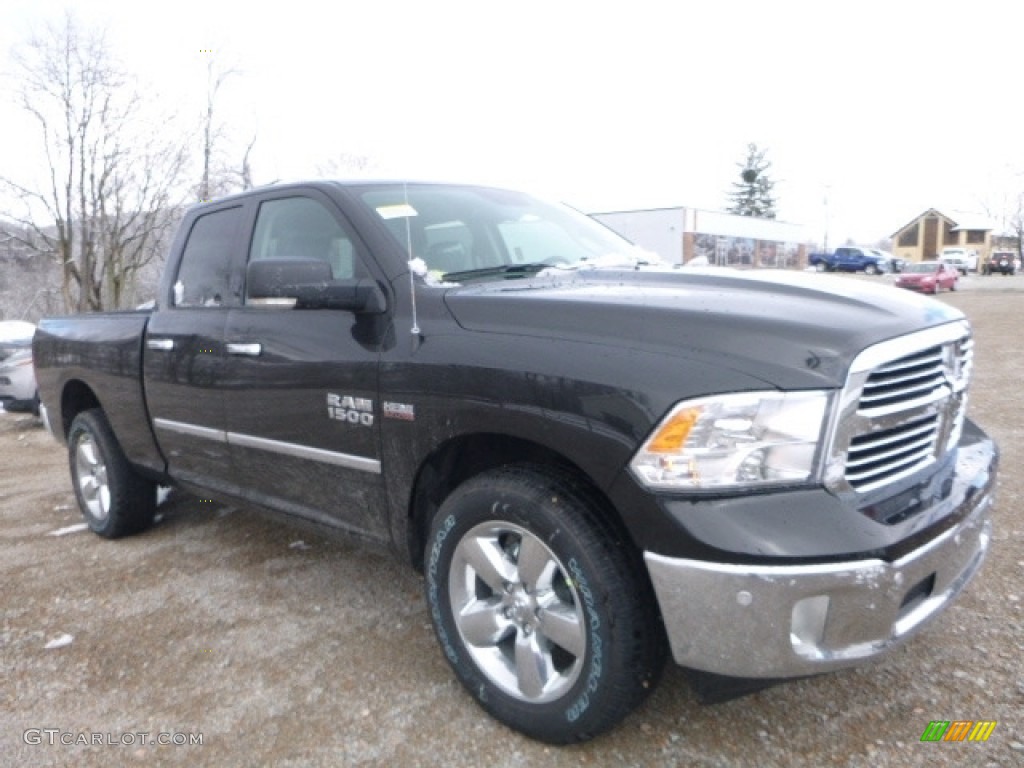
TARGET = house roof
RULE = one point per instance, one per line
(923, 214)
(959, 221)
(972, 220)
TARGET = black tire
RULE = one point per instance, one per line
(821, 267)
(113, 498)
(564, 645)
(870, 269)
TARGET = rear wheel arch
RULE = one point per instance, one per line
(76, 396)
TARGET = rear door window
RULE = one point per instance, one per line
(205, 277)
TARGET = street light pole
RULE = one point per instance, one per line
(828, 188)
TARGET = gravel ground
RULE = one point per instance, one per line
(280, 648)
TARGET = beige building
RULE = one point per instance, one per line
(925, 236)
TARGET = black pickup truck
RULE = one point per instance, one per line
(595, 459)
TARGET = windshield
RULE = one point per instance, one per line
(923, 268)
(464, 232)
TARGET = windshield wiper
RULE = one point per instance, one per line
(509, 271)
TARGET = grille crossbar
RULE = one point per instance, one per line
(906, 406)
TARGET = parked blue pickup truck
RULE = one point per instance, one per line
(850, 259)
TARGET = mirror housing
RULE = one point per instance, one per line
(308, 284)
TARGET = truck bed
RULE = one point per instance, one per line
(102, 351)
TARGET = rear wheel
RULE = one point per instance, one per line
(542, 610)
(870, 269)
(114, 499)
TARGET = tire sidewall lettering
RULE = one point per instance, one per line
(593, 679)
(433, 588)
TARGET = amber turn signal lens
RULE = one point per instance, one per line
(673, 434)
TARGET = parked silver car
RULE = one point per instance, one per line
(17, 376)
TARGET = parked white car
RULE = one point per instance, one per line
(17, 376)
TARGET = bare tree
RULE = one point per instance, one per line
(109, 182)
(347, 164)
(29, 287)
(1008, 212)
(139, 213)
(219, 176)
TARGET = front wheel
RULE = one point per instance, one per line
(114, 499)
(870, 269)
(541, 608)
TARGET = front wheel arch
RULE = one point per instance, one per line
(466, 456)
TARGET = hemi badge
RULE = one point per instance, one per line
(400, 411)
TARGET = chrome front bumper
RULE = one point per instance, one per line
(790, 621)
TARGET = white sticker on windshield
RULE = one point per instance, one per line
(398, 211)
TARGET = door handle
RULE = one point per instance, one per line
(241, 348)
(165, 345)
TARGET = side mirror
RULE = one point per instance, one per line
(308, 284)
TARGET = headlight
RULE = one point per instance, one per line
(734, 441)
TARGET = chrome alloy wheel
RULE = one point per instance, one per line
(517, 611)
(91, 475)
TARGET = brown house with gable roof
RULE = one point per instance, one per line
(925, 236)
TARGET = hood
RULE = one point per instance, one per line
(789, 329)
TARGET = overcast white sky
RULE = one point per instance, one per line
(885, 108)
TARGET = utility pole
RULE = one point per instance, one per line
(828, 188)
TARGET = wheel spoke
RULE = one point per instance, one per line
(87, 453)
(92, 478)
(89, 486)
(482, 623)
(518, 617)
(560, 624)
(488, 560)
(533, 665)
(535, 564)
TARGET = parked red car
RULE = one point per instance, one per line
(928, 277)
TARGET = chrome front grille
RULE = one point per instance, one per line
(902, 408)
(878, 455)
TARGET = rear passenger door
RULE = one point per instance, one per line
(184, 356)
(302, 404)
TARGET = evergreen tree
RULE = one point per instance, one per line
(752, 195)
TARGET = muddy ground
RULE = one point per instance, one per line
(275, 647)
